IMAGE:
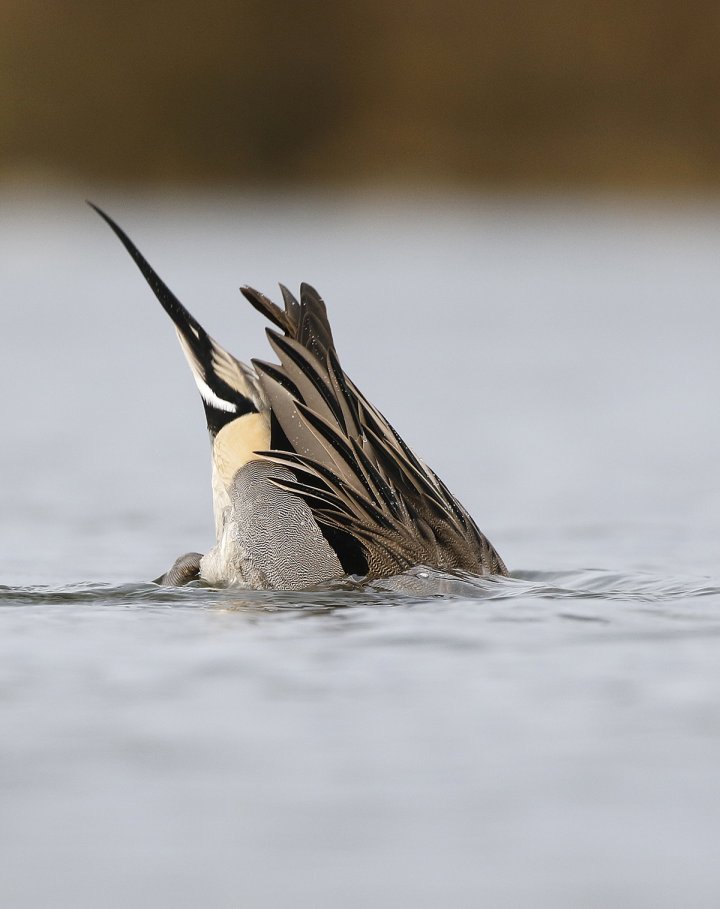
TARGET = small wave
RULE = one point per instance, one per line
(417, 585)
(612, 585)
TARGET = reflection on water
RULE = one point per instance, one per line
(549, 739)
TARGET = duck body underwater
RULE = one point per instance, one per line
(310, 482)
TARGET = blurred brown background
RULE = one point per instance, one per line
(527, 93)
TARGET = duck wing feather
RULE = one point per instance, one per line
(353, 469)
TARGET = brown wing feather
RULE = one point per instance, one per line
(352, 468)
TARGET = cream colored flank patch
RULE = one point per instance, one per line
(237, 443)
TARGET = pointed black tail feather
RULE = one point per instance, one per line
(224, 383)
(169, 302)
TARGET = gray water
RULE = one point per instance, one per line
(552, 739)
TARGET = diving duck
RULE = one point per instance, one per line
(310, 482)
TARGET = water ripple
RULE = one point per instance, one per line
(419, 585)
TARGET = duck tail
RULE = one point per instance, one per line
(229, 389)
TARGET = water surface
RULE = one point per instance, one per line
(552, 739)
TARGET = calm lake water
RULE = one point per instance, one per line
(550, 740)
